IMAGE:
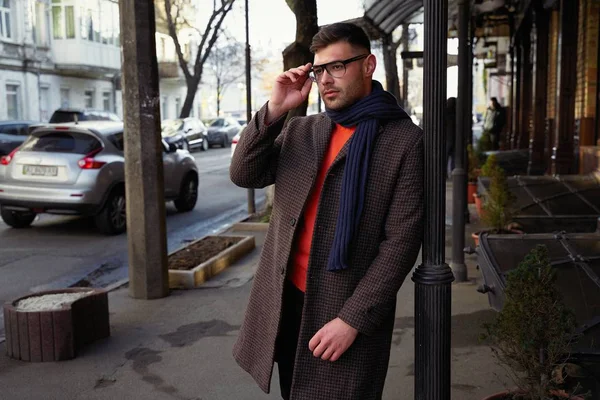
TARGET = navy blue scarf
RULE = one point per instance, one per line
(367, 113)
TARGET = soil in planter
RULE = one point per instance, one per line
(201, 251)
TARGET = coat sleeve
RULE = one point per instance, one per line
(375, 296)
(254, 163)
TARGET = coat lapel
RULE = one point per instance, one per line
(323, 130)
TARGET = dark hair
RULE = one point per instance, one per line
(340, 32)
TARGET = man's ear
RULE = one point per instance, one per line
(370, 65)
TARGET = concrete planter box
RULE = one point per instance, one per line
(189, 279)
(251, 226)
(56, 335)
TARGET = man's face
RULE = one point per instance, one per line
(339, 93)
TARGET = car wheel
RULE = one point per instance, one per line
(185, 145)
(225, 142)
(204, 144)
(112, 220)
(188, 194)
(17, 219)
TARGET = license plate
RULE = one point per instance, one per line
(40, 170)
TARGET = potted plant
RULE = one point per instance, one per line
(497, 209)
(533, 333)
(473, 174)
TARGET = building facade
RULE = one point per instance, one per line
(67, 53)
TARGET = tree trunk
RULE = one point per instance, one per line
(192, 87)
(390, 62)
(298, 53)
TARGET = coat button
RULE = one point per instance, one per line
(282, 270)
(293, 221)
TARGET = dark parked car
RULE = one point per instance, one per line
(185, 133)
(63, 115)
(13, 134)
(222, 130)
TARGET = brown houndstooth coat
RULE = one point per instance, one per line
(383, 252)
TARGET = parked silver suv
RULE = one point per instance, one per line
(78, 169)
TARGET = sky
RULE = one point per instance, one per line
(273, 24)
(273, 27)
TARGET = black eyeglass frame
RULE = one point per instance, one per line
(313, 75)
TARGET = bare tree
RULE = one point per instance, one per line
(298, 53)
(226, 64)
(176, 15)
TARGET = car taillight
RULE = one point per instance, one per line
(5, 160)
(88, 161)
(234, 141)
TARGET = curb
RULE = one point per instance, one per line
(195, 277)
(251, 226)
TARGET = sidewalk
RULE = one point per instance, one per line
(179, 347)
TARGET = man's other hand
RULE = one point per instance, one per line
(332, 340)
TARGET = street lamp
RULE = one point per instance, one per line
(433, 278)
(251, 202)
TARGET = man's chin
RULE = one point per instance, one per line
(334, 105)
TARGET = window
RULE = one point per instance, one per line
(177, 107)
(63, 20)
(163, 108)
(40, 25)
(106, 97)
(219, 122)
(106, 22)
(13, 102)
(117, 140)
(89, 98)
(44, 103)
(5, 23)
(65, 97)
(162, 50)
(61, 142)
(100, 21)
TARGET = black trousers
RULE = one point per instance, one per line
(287, 340)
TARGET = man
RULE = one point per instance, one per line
(345, 229)
(494, 121)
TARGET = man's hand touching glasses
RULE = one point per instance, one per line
(290, 90)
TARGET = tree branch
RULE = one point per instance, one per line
(173, 33)
(227, 5)
(199, 58)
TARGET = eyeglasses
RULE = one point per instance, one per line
(336, 69)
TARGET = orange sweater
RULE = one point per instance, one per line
(339, 137)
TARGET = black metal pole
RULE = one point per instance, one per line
(433, 278)
(319, 101)
(251, 200)
(513, 103)
(459, 174)
(469, 114)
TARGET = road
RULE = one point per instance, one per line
(58, 251)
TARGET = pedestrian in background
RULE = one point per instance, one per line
(494, 121)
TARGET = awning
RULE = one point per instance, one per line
(387, 15)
